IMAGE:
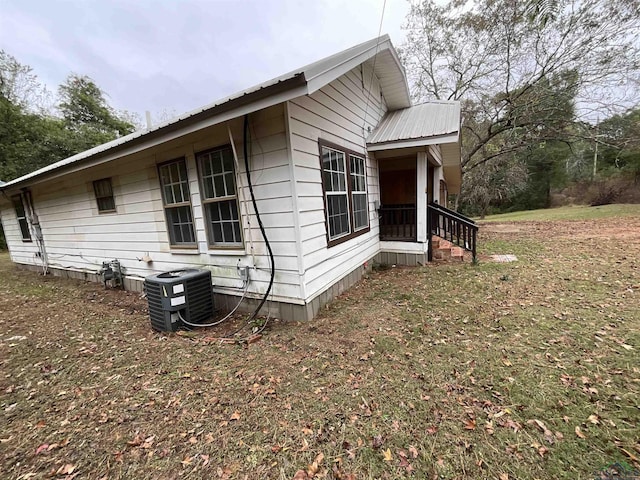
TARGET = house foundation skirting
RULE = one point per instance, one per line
(227, 302)
(282, 310)
(401, 258)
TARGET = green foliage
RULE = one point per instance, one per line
(87, 114)
(32, 138)
(620, 139)
(29, 141)
(546, 168)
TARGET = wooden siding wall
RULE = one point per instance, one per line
(77, 237)
(335, 113)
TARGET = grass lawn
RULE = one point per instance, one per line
(574, 212)
(450, 371)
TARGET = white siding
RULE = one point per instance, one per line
(336, 113)
(21, 252)
(78, 237)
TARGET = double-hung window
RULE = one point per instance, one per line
(344, 181)
(104, 195)
(219, 197)
(174, 183)
(23, 223)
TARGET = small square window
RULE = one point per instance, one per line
(104, 195)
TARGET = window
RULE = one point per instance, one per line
(359, 193)
(344, 181)
(22, 218)
(177, 203)
(104, 195)
(219, 197)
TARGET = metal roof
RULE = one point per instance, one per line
(424, 124)
(302, 81)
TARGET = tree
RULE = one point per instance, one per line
(496, 183)
(87, 114)
(619, 136)
(20, 86)
(520, 68)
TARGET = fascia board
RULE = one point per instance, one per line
(418, 142)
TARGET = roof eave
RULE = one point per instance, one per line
(413, 142)
(320, 78)
(236, 107)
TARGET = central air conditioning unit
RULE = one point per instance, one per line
(179, 293)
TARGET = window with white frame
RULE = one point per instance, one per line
(21, 216)
(359, 193)
(344, 182)
(174, 183)
(219, 197)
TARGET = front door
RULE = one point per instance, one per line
(398, 199)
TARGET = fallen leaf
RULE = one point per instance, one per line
(432, 430)
(489, 427)
(630, 455)
(387, 455)
(300, 475)
(593, 419)
(66, 469)
(413, 451)
(470, 424)
(42, 448)
(377, 441)
(579, 433)
(235, 416)
(504, 476)
(27, 475)
(315, 466)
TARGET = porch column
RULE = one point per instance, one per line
(438, 174)
(421, 198)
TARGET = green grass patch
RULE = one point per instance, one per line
(574, 212)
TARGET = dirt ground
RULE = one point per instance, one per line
(522, 370)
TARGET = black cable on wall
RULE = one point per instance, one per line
(245, 142)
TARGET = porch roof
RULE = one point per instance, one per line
(429, 123)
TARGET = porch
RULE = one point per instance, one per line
(418, 156)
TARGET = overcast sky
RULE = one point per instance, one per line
(177, 55)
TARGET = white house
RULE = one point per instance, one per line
(341, 164)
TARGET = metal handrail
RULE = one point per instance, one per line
(453, 213)
(452, 226)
